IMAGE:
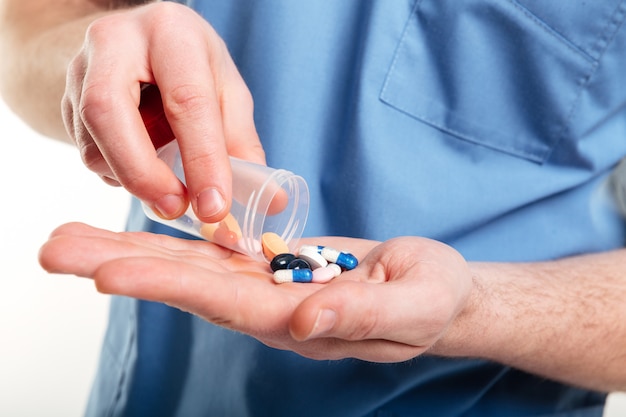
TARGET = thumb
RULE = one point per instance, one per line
(345, 310)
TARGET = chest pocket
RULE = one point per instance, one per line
(505, 74)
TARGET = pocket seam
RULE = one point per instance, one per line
(611, 29)
(396, 55)
(551, 31)
(537, 154)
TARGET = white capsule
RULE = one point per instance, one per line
(335, 268)
(310, 254)
(315, 248)
(324, 275)
(293, 275)
(343, 259)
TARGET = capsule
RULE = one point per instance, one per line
(324, 275)
(293, 275)
(343, 259)
(316, 248)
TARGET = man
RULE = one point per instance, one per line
(489, 126)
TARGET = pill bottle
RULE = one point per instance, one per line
(265, 200)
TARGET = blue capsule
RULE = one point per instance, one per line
(293, 275)
(343, 259)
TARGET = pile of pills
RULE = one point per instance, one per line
(318, 264)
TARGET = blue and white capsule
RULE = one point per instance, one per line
(345, 260)
(313, 248)
(293, 275)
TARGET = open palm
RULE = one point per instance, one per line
(392, 307)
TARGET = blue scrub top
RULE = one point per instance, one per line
(489, 125)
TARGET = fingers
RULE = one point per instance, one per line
(238, 116)
(79, 249)
(205, 104)
(348, 310)
(405, 291)
(378, 312)
(210, 111)
(243, 300)
(101, 103)
(366, 321)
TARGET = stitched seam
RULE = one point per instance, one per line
(550, 31)
(512, 149)
(601, 46)
(610, 30)
(609, 33)
(396, 53)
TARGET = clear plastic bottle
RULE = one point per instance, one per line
(265, 200)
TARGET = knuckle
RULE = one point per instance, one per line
(96, 103)
(75, 70)
(134, 180)
(166, 13)
(364, 329)
(100, 29)
(67, 112)
(186, 101)
(91, 156)
(246, 99)
(369, 322)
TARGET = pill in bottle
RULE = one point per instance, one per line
(265, 200)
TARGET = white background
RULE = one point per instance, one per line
(51, 326)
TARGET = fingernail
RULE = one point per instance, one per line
(210, 202)
(169, 206)
(325, 321)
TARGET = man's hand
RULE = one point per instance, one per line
(394, 306)
(560, 319)
(205, 100)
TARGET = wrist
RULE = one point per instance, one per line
(459, 339)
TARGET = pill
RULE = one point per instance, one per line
(293, 275)
(225, 237)
(231, 223)
(323, 275)
(343, 259)
(207, 230)
(282, 261)
(249, 245)
(307, 248)
(185, 220)
(335, 268)
(273, 245)
(310, 254)
(298, 263)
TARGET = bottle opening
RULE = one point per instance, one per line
(264, 200)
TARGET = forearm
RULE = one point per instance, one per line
(564, 320)
(37, 41)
